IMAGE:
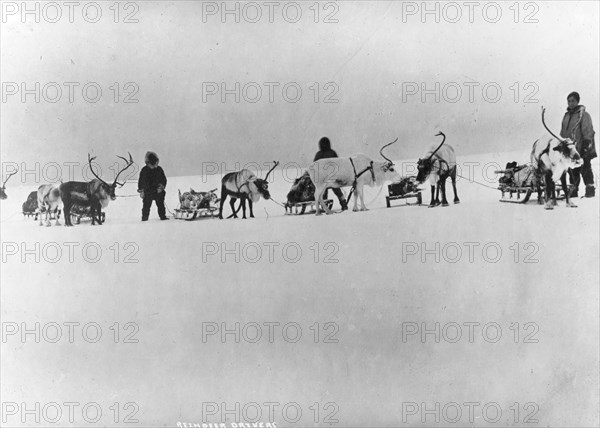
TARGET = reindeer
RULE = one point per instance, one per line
(95, 194)
(244, 185)
(552, 158)
(435, 167)
(356, 171)
(48, 201)
(3, 194)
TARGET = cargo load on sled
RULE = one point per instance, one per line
(406, 188)
(302, 196)
(30, 208)
(79, 212)
(193, 205)
(522, 181)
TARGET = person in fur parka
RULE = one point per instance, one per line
(577, 123)
(151, 187)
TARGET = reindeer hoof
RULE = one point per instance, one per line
(445, 204)
(456, 202)
(549, 207)
(571, 205)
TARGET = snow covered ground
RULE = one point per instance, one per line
(330, 310)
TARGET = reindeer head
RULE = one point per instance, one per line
(108, 190)
(388, 165)
(262, 184)
(566, 146)
(387, 171)
(3, 194)
(425, 166)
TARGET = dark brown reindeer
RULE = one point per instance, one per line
(94, 194)
(244, 185)
(552, 158)
(3, 194)
(435, 167)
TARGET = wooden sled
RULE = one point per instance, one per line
(405, 189)
(301, 207)
(190, 214)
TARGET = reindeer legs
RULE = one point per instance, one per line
(360, 193)
(442, 185)
(222, 201)
(67, 213)
(453, 177)
(432, 202)
(56, 215)
(320, 201)
(565, 187)
(232, 205)
(549, 191)
(250, 206)
(96, 210)
(243, 204)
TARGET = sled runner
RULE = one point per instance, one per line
(79, 213)
(522, 181)
(405, 189)
(300, 208)
(193, 205)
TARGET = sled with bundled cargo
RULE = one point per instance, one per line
(405, 189)
(30, 208)
(79, 213)
(195, 205)
(522, 181)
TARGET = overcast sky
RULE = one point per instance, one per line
(371, 54)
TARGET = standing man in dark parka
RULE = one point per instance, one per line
(151, 187)
(585, 145)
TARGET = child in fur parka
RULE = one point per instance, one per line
(151, 187)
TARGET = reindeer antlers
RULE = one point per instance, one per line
(9, 175)
(129, 162)
(90, 159)
(545, 126)
(274, 166)
(440, 146)
(381, 151)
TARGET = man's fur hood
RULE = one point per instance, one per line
(151, 159)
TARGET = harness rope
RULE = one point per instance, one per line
(468, 178)
(357, 176)
(11, 216)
